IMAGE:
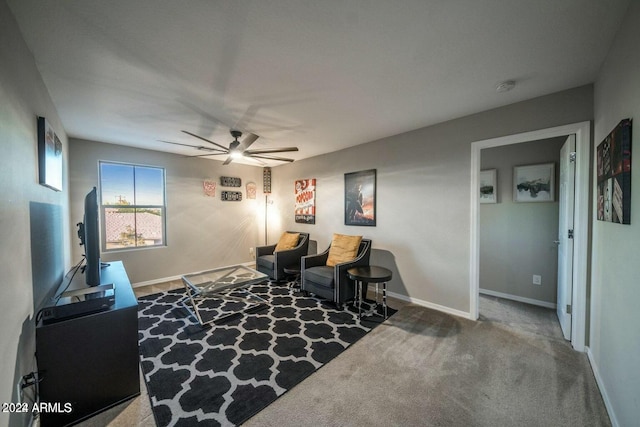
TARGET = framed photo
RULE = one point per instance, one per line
(360, 198)
(534, 183)
(49, 156)
(305, 194)
(488, 189)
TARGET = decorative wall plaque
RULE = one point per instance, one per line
(231, 196)
(266, 180)
(209, 187)
(251, 190)
(228, 181)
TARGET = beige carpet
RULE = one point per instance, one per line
(426, 368)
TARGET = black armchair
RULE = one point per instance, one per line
(273, 263)
(332, 283)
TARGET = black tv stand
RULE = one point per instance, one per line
(90, 361)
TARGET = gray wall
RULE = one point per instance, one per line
(202, 232)
(423, 193)
(516, 239)
(34, 230)
(615, 334)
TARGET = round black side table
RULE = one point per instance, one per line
(370, 274)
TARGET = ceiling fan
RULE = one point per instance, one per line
(237, 149)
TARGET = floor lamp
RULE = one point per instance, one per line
(266, 188)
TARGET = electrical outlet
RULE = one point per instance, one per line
(250, 251)
(537, 279)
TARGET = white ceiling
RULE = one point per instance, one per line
(320, 75)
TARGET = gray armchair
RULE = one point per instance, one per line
(273, 263)
(332, 283)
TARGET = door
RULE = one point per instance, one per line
(565, 231)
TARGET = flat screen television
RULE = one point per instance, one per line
(89, 234)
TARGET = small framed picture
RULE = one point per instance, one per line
(534, 183)
(488, 189)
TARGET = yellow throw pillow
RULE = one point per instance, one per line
(287, 241)
(343, 248)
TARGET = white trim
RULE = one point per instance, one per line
(531, 301)
(431, 305)
(582, 131)
(603, 390)
(250, 264)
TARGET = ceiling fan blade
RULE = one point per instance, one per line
(208, 154)
(199, 147)
(226, 150)
(281, 159)
(271, 150)
(229, 160)
(250, 139)
(253, 159)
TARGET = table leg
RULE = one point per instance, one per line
(191, 296)
(359, 299)
(384, 298)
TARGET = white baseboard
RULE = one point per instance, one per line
(520, 299)
(603, 390)
(401, 297)
(431, 305)
(250, 264)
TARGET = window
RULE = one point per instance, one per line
(132, 201)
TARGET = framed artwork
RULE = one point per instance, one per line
(534, 183)
(305, 192)
(360, 198)
(488, 189)
(49, 156)
(613, 157)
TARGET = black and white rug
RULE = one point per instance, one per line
(226, 373)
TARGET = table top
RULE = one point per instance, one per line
(223, 279)
(370, 273)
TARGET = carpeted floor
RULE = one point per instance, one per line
(426, 368)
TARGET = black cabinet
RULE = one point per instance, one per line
(90, 363)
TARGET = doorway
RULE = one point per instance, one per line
(579, 291)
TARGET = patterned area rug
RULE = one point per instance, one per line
(226, 373)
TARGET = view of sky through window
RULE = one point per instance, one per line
(128, 184)
(132, 199)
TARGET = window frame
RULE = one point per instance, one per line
(103, 207)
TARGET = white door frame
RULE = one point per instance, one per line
(582, 131)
